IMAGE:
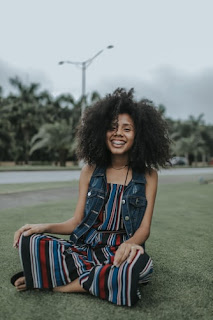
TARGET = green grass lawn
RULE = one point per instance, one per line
(180, 245)
(21, 187)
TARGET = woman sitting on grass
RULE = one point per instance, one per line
(121, 141)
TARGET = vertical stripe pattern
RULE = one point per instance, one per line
(49, 262)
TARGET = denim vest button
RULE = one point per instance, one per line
(95, 194)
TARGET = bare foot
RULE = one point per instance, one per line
(20, 284)
(74, 286)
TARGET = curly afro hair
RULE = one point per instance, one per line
(151, 143)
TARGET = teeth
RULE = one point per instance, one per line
(118, 142)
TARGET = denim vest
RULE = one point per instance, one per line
(133, 203)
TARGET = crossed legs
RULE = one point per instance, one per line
(74, 286)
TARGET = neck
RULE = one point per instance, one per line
(119, 162)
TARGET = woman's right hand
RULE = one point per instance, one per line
(27, 230)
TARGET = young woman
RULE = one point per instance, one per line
(122, 142)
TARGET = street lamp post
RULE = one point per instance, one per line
(84, 65)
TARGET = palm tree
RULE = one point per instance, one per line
(193, 144)
(6, 139)
(188, 138)
(55, 137)
(22, 111)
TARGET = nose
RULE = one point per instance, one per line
(118, 132)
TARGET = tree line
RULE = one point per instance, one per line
(34, 126)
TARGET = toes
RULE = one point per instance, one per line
(19, 281)
(22, 287)
(20, 284)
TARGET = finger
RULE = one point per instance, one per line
(132, 255)
(25, 227)
(15, 244)
(16, 239)
(18, 234)
(122, 256)
(141, 250)
(118, 253)
(29, 232)
(134, 250)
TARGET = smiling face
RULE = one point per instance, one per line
(120, 137)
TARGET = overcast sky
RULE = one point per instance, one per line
(162, 48)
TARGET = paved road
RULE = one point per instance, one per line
(38, 176)
(51, 176)
(31, 198)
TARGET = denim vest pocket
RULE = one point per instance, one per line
(137, 207)
(92, 196)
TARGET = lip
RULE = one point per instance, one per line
(117, 143)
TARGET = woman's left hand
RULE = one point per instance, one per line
(126, 251)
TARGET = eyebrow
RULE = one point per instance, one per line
(128, 124)
(124, 124)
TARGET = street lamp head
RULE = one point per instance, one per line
(61, 62)
(110, 47)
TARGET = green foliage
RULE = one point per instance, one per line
(192, 138)
(56, 137)
(29, 113)
(34, 126)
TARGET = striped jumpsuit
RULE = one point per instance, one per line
(49, 262)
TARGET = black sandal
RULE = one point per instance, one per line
(16, 277)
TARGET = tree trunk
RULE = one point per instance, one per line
(187, 157)
(203, 158)
(196, 160)
(62, 157)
